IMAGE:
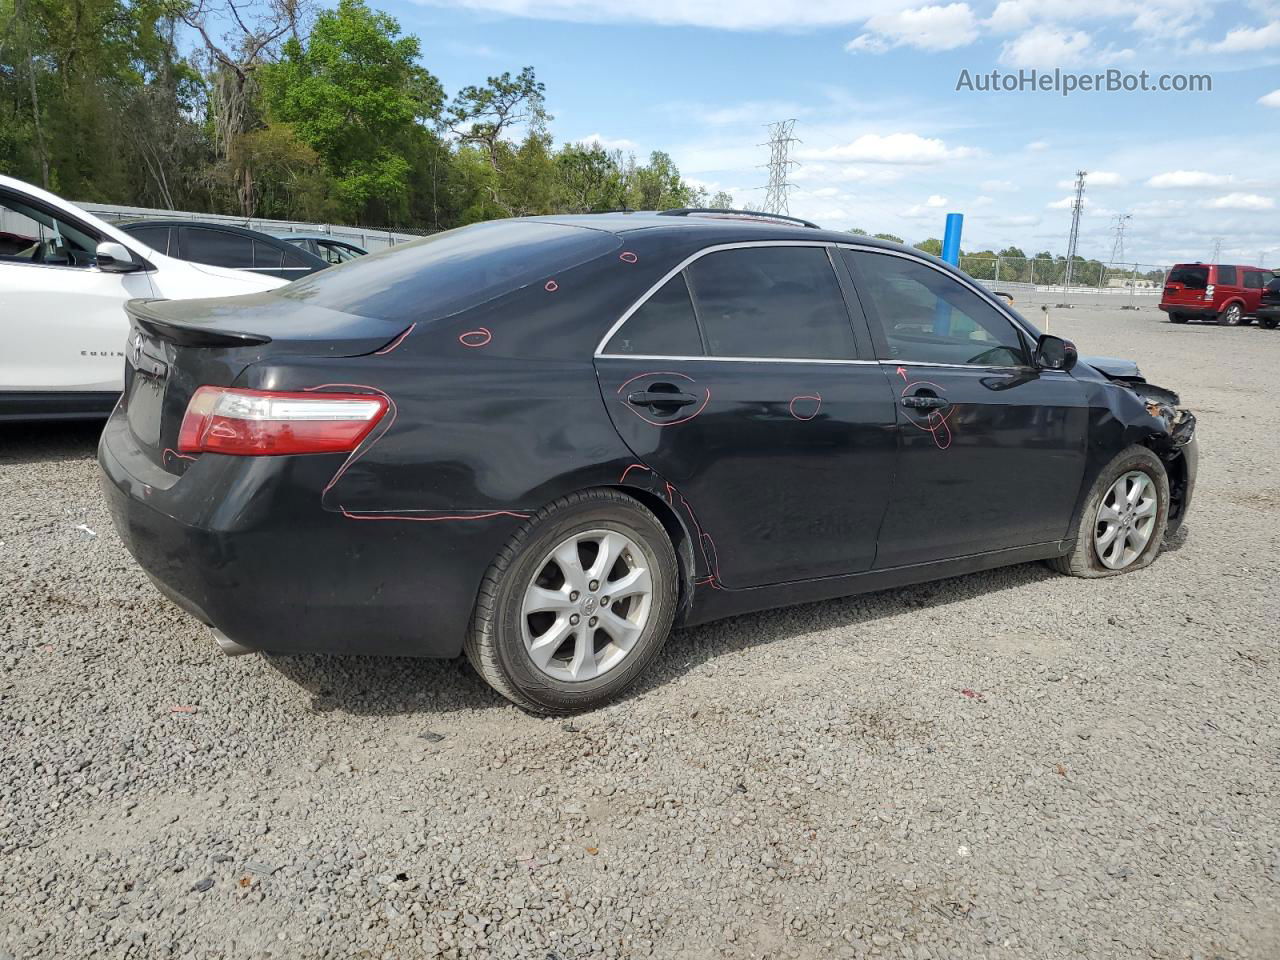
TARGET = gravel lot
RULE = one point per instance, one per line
(1005, 765)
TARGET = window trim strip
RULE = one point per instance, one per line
(978, 289)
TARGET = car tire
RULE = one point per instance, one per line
(504, 635)
(1087, 558)
(1231, 316)
(1177, 318)
(1268, 323)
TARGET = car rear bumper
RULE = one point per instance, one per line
(1190, 309)
(1267, 313)
(243, 544)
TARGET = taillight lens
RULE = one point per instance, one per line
(254, 423)
(1208, 292)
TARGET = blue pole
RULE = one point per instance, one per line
(951, 239)
(951, 254)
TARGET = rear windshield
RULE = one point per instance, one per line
(1197, 278)
(451, 271)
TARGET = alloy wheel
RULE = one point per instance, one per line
(587, 605)
(1126, 519)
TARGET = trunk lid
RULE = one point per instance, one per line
(177, 346)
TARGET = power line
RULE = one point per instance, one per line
(1073, 240)
(780, 164)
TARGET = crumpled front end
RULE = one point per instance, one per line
(1171, 435)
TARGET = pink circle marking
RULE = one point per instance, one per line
(626, 256)
(551, 286)
(475, 338)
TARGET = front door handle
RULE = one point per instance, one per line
(925, 402)
(661, 398)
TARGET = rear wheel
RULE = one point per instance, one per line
(1177, 318)
(1232, 316)
(576, 605)
(1267, 323)
(1121, 528)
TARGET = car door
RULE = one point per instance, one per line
(1253, 284)
(62, 321)
(744, 381)
(992, 449)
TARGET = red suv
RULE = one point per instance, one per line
(1219, 292)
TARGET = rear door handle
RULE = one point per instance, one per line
(925, 403)
(660, 398)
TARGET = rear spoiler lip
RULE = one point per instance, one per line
(186, 335)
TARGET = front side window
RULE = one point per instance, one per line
(1253, 279)
(217, 248)
(782, 302)
(31, 234)
(930, 317)
(664, 326)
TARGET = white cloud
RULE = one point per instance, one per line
(1248, 39)
(1046, 46)
(908, 148)
(739, 15)
(1016, 220)
(936, 201)
(982, 201)
(845, 173)
(1271, 99)
(1242, 201)
(605, 143)
(826, 192)
(1180, 179)
(997, 186)
(1096, 178)
(1037, 146)
(925, 28)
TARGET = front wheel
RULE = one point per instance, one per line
(1232, 316)
(1122, 525)
(576, 605)
(1267, 323)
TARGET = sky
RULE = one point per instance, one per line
(887, 142)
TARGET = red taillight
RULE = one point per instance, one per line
(265, 422)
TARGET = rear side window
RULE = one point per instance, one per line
(664, 326)
(930, 317)
(292, 258)
(265, 256)
(1193, 278)
(1227, 276)
(1253, 279)
(157, 238)
(771, 302)
(217, 248)
(451, 271)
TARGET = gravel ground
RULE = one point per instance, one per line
(1005, 765)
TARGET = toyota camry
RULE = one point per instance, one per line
(546, 442)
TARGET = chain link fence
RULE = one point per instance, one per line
(1041, 279)
(366, 237)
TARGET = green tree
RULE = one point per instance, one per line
(888, 236)
(355, 94)
(933, 245)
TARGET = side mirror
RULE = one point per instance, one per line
(1054, 353)
(112, 257)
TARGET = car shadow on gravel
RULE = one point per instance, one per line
(392, 686)
(49, 442)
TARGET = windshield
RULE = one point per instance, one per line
(451, 271)
(1194, 278)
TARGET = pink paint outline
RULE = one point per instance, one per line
(351, 515)
(478, 332)
(551, 286)
(169, 452)
(935, 423)
(396, 342)
(626, 256)
(805, 396)
(710, 560)
(663, 373)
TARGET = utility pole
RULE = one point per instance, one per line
(780, 164)
(1117, 247)
(1217, 249)
(1073, 240)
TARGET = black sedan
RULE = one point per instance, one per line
(545, 442)
(225, 245)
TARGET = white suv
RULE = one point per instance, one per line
(64, 279)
